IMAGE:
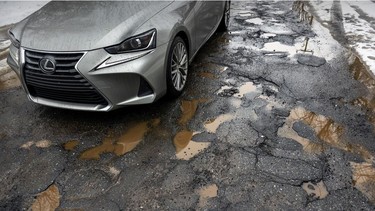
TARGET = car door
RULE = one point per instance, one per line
(207, 16)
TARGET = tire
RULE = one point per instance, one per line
(177, 68)
(224, 23)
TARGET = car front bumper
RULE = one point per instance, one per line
(138, 80)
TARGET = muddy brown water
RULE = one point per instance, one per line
(328, 131)
(123, 144)
(207, 192)
(71, 145)
(47, 200)
(360, 73)
(364, 173)
(182, 139)
(213, 124)
(185, 147)
(364, 179)
(188, 109)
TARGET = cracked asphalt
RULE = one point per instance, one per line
(262, 126)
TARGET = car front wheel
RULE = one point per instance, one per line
(178, 67)
(224, 24)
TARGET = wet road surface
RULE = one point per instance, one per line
(265, 123)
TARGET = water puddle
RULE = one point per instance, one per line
(245, 14)
(279, 29)
(213, 124)
(272, 103)
(364, 179)
(43, 143)
(316, 191)
(361, 74)
(185, 147)
(27, 145)
(256, 21)
(70, 145)
(40, 144)
(188, 109)
(94, 153)
(129, 140)
(277, 47)
(123, 144)
(226, 91)
(246, 88)
(267, 35)
(47, 200)
(235, 102)
(325, 129)
(182, 139)
(207, 192)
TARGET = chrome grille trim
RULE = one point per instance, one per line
(65, 85)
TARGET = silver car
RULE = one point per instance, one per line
(99, 56)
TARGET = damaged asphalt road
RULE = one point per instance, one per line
(261, 126)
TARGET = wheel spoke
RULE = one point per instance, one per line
(183, 77)
(183, 60)
(178, 80)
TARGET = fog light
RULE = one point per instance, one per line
(144, 88)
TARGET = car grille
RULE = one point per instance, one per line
(65, 84)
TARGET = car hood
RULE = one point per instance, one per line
(79, 26)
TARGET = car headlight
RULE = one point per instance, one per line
(14, 52)
(13, 39)
(144, 41)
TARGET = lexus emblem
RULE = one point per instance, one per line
(48, 65)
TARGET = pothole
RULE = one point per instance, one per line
(47, 200)
(367, 102)
(246, 88)
(185, 147)
(123, 144)
(40, 144)
(188, 109)
(70, 145)
(213, 124)
(256, 21)
(43, 143)
(364, 179)
(325, 129)
(315, 190)
(207, 192)
(277, 47)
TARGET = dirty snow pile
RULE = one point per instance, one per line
(359, 25)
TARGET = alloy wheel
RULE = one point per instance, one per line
(179, 66)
